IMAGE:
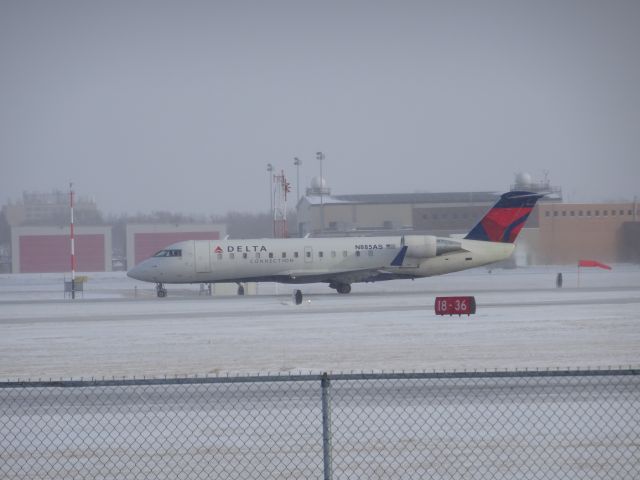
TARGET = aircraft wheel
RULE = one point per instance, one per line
(344, 288)
(240, 289)
(162, 293)
(298, 297)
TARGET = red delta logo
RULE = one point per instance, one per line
(504, 224)
(218, 249)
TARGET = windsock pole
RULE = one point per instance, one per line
(73, 249)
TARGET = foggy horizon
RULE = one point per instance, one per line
(179, 107)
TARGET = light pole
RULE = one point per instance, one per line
(270, 172)
(320, 156)
(297, 162)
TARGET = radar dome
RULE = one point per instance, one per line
(318, 183)
(523, 178)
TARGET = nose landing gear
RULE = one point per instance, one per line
(161, 292)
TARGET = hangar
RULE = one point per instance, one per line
(47, 249)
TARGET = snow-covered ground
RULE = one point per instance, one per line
(119, 328)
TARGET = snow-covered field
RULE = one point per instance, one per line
(119, 328)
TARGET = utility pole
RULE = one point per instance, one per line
(320, 156)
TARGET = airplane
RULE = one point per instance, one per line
(339, 261)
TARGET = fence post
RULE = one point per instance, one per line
(327, 450)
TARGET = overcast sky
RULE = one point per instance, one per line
(179, 106)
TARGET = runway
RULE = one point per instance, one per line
(522, 322)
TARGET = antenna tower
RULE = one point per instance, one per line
(281, 189)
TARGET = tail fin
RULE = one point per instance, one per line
(505, 220)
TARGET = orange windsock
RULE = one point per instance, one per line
(593, 263)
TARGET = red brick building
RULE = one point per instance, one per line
(569, 232)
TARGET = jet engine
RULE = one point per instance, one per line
(427, 246)
(420, 246)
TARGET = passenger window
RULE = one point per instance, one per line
(295, 254)
(270, 254)
(357, 253)
(284, 254)
(308, 254)
(320, 254)
(244, 255)
(169, 253)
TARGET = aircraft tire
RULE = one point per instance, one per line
(344, 288)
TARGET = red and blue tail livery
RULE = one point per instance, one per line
(507, 217)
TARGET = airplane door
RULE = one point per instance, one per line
(308, 254)
(203, 256)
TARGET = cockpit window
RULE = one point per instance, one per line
(174, 252)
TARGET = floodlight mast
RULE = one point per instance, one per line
(297, 162)
(271, 211)
(320, 156)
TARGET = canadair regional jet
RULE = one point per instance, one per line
(342, 261)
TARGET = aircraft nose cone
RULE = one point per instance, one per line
(136, 273)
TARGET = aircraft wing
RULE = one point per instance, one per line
(352, 276)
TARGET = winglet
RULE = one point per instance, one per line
(397, 262)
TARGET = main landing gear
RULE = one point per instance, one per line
(341, 287)
(240, 289)
(160, 290)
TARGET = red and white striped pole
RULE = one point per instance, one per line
(73, 249)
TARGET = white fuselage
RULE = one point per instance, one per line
(343, 260)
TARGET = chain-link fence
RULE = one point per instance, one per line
(489, 425)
